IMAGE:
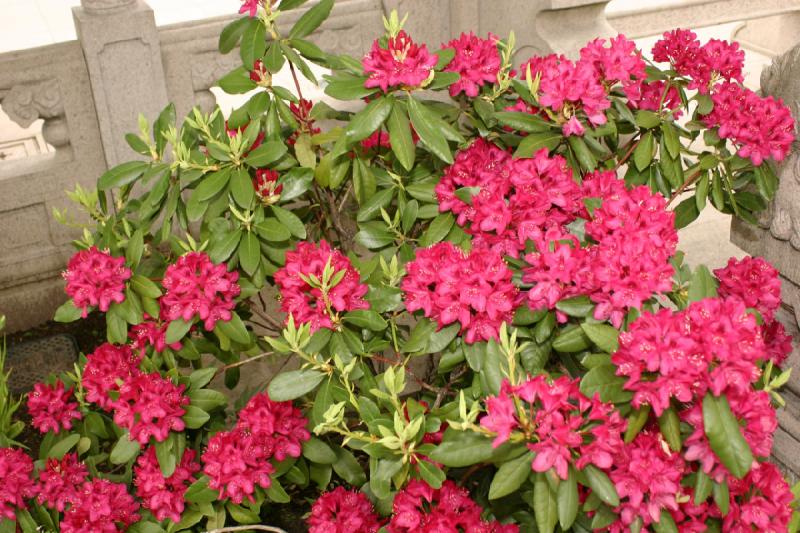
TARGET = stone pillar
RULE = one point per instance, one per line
(777, 239)
(123, 54)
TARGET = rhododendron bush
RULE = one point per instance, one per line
(474, 282)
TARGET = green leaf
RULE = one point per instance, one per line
(166, 458)
(536, 141)
(686, 212)
(425, 122)
(231, 34)
(63, 446)
(438, 229)
(704, 104)
(636, 421)
(702, 487)
(290, 220)
(368, 120)
(374, 235)
(604, 381)
(235, 329)
(237, 82)
(418, 339)
(519, 121)
(567, 499)
(372, 207)
(510, 476)
(124, 450)
(603, 336)
(207, 399)
(116, 326)
(571, 340)
(249, 252)
(201, 377)
(133, 252)
(211, 184)
(242, 188)
(702, 285)
(254, 42)
(347, 88)
(643, 153)
(311, 20)
(366, 318)
(266, 154)
(176, 330)
(665, 524)
(273, 58)
(363, 181)
(222, 246)
(725, 435)
(722, 497)
(294, 384)
(348, 468)
(601, 485)
(578, 306)
(198, 492)
(432, 474)
(671, 139)
(545, 507)
(319, 452)
(582, 153)
(144, 287)
(462, 448)
(121, 175)
(67, 312)
(195, 417)
(295, 183)
(273, 231)
(400, 137)
(670, 427)
(647, 119)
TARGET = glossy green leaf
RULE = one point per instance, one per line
(121, 175)
(400, 137)
(425, 124)
(725, 435)
(311, 20)
(294, 384)
(537, 141)
(368, 120)
(603, 336)
(601, 485)
(545, 506)
(510, 476)
(249, 252)
(124, 450)
(603, 380)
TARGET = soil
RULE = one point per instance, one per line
(88, 333)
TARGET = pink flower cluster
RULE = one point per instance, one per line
(759, 502)
(250, 7)
(150, 405)
(164, 496)
(633, 238)
(16, 484)
(419, 508)
(756, 283)
(309, 304)
(511, 199)
(343, 511)
(654, 96)
(266, 185)
(197, 288)
(52, 408)
(100, 506)
(647, 476)
(402, 63)
(704, 65)
(712, 345)
(95, 278)
(760, 127)
(147, 405)
(105, 369)
(450, 286)
(476, 60)
(60, 481)
(237, 461)
(569, 428)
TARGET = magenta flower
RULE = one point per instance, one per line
(778, 343)
(620, 61)
(16, 484)
(60, 481)
(197, 288)
(651, 97)
(52, 408)
(647, 476)
(450, 286)
(164, 497)
(150, 406)
(95, 279)
(279, 422)
(754, 281)
(153, 333)
(266, 185)
(704, 65)
(476, 60)
(308, 304)
(236, 462)
(402, 63)
(501, 416)
(759, 502)
(343, 511)
(418, 508)
(101, 506)
(105, 369)
(250, 7)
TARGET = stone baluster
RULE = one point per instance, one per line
(123, 54)
(26, 103)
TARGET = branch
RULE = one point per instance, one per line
(683, 187)
(241, 363)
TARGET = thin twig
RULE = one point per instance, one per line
(268, 318)
(241, 363)
(629, 152)
(247, 528)
(684, 186)
(296, 81)
(455, 376)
